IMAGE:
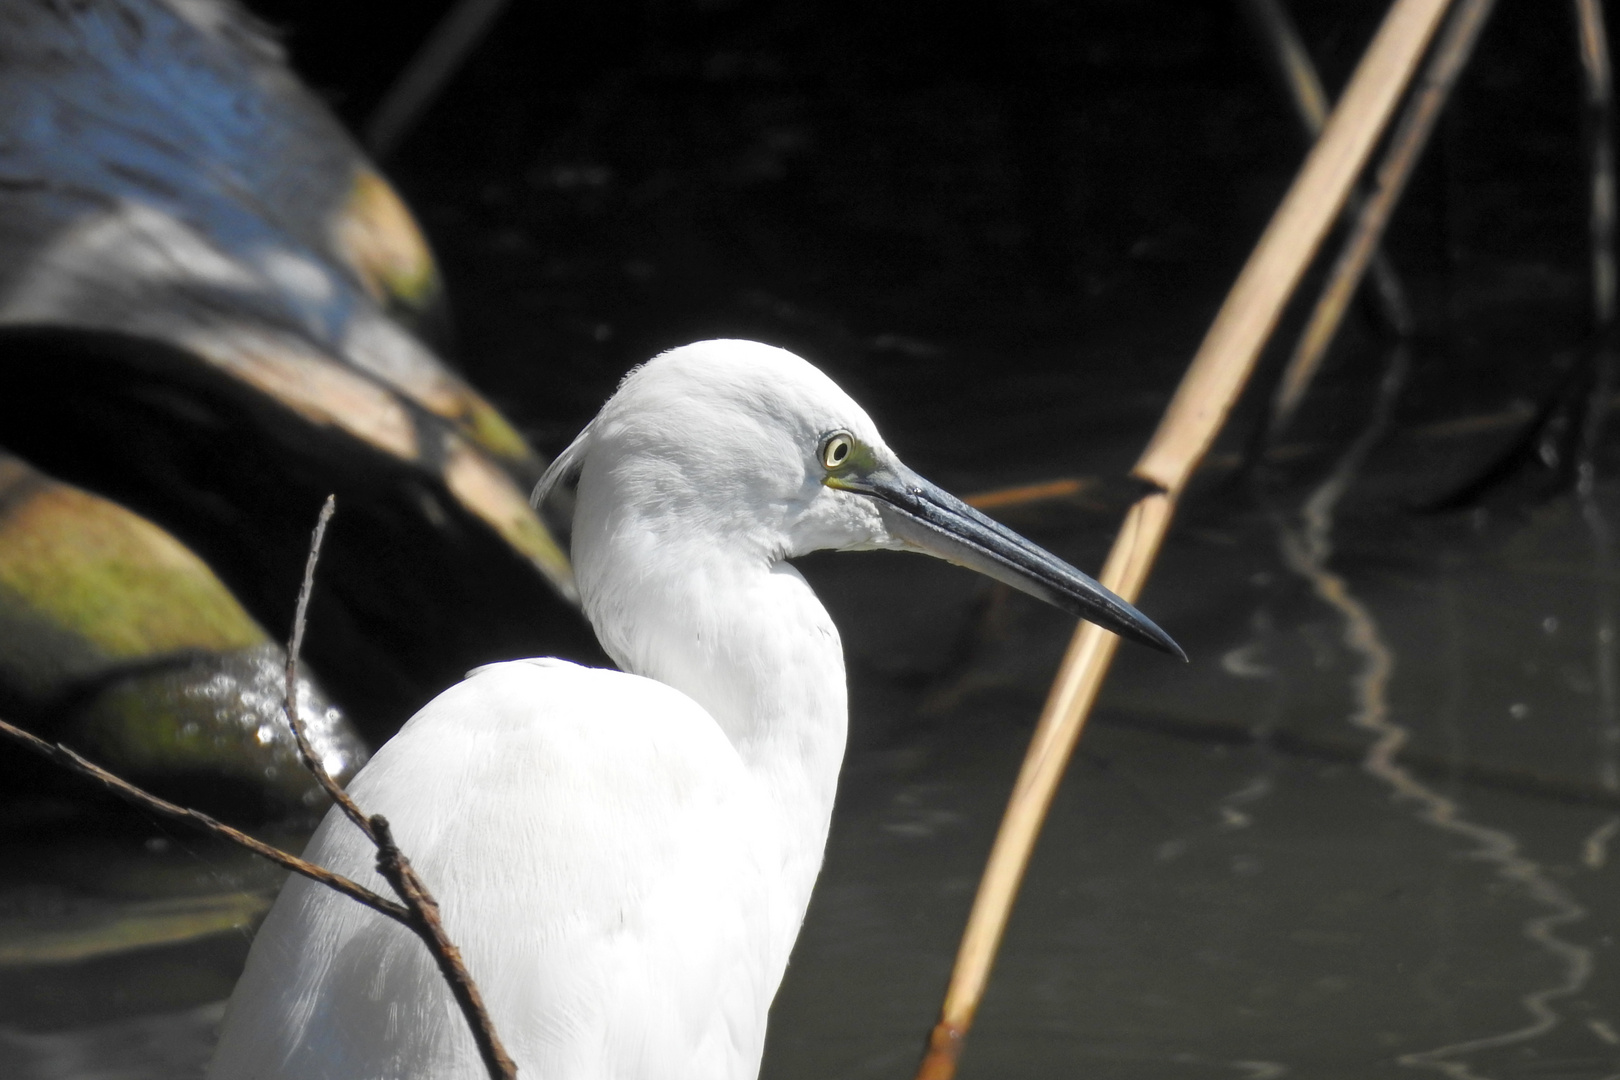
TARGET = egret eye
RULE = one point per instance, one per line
(835, 450)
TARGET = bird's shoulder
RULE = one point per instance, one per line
(548, 701)
(548, 740)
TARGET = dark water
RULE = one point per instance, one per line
(1372, 829)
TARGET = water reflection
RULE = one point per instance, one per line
(1307, 549)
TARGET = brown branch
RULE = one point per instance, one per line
(398, 871)
(73, 762)
(422, 910)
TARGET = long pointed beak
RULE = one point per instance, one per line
(930, 519)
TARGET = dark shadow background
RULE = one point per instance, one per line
(918, 196)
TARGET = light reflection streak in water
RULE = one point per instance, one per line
(1251, 1070)
(1307, 549)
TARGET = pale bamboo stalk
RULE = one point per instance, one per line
(1195, 416)
(1412, 134)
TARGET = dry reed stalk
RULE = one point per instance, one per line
(1417, 123)
(1599, 109)
(1598, 122)
(1293, 61)
(1195, 416)
(427, 72)
(1299, 77)
(1064, 488)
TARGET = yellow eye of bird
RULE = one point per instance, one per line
(835, 450)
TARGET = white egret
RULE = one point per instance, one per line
(625, 859)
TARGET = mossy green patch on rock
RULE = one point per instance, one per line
(115, 638)
(89, 572)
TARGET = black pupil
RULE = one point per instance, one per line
(838, 452)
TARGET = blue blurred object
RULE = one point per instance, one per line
(216, 311)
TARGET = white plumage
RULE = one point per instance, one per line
(625, 859)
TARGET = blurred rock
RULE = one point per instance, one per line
(214, 311)
(117, 640)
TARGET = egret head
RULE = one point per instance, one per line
(747, 446)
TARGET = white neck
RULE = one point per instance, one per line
(747, 639)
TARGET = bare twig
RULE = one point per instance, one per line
(1195, 416)
(423, 916)
(295, 645)
(1451, 55)
(72, 761)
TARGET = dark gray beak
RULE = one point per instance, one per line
(931, 519)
